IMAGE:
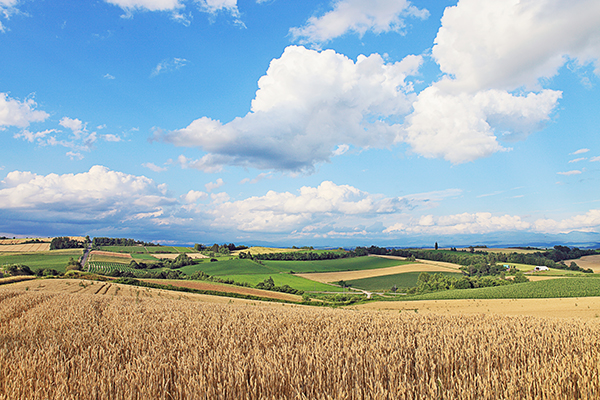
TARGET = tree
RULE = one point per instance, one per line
(436, 245)
(520, 278)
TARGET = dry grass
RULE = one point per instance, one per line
(369, 273)
(586, 308)
(202, 285)
(586, 262)
(110, 254)
(29, 247)
(264, 250)
(82, 286)
(77, 346)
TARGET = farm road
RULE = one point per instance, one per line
(86, 253)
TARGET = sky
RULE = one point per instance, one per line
(324, 123)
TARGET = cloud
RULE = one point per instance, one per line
(462, 127)
(74, 125)
(595, 159)
(73, 155)
(580, 151)
(98, 197)
(216, 6)
(154, 167)
(588, 222)
(567, 173)
(307, 104)
(7, 8)
(108, 76)
(485, 44)
(285, 212)
(109, 137)
(193, 196)
(357, 16)
(20, 114)
(214, 185)
(146, 5)
(34, 136)
(168, 66)
(465, 223)
(577, 160)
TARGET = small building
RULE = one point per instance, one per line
(540, 268)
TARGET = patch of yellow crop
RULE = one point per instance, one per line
(586, 262)
(587, 308)
(369, 273)
(26, 248)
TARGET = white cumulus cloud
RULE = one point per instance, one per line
(19, 113)
(307, 104)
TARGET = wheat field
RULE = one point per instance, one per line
(78, 346)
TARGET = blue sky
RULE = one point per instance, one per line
(347, 122)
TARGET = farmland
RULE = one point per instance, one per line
(281, 279)
(385, 282)
(59, 345)
(55, 259)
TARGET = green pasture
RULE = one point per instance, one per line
(385, 282)
(55, 259)
(297, 282)
(552, 288)
(124, 249)
(229, 267)
(551, 272)
(341, 264)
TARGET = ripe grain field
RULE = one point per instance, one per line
(57, 346)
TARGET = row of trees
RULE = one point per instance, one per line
(306, 256)
(106, 241)
(482, 260)
(64, 242)
(427, 283)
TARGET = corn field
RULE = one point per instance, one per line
(75, 346)
(100, 267)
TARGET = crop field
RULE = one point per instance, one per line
(280, 279)
(172, 256)
(342, 264)
(404, 267)
(57, 346)
(99, 267)
(385, 282)
(229, 267)
(109, 254)
(221, 287)
(551, 288)
(21, 240)
(55, 259)
(28, 247)
(586, 262)
(124, 249)
(584, 308)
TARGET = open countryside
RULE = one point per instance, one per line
(328, 320)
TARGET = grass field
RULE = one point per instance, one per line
(385, 282)
(280, 279)
(552, 288)
(229, 267)
(342, 264)
(55, 259)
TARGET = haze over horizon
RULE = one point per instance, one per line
(346, 122)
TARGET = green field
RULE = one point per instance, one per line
(55, 259)
(144, 257)
(229, 267)
(124, 249)
(552, 288)
(107, 267)
(342, 264)
(297, 282)
(385, 282)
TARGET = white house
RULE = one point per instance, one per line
(541, 268)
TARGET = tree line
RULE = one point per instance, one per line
(305, 256)
(106, 241)
(485, 263)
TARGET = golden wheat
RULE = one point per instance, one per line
(77, 346)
